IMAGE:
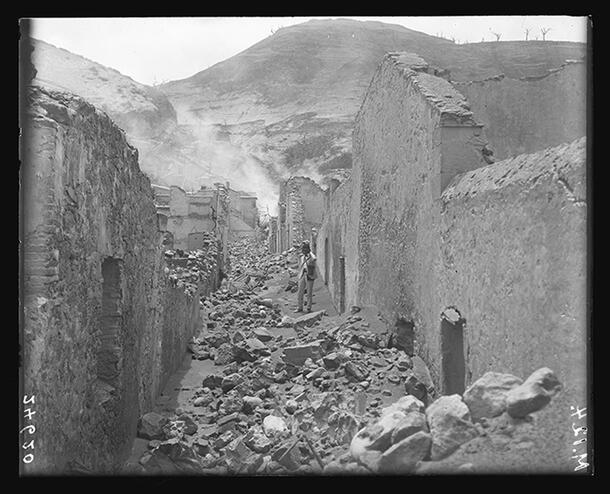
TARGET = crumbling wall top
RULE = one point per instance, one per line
(438, 91)
(525, 168)
(567, 65)
(301, 180)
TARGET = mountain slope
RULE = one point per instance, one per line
(169, 153)
(140, 110)
(286, 105)
(290, 100)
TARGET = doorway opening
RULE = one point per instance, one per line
(109, 355)
(326, 261)
(452, 352)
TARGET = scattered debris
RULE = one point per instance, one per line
(316, 394)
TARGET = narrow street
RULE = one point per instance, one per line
(264, 390)
(228, 393)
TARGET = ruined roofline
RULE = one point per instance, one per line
(438, 92)
(500, 77)
(521, 169)
(301, 178)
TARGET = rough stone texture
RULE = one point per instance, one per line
(406, 404)
(413, 423)
(150, 426)
(403, 456)
(273, 425)
(530, 114)
(535, 393)
(308, 319)
(338, 236)
(486, 397)
(104, 326)
(450, 426)
(296, 355)
(377, 436)
(416, 249)
(522, 292)
(413, 133)
(301, 205)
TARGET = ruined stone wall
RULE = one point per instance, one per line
(190, 215)
(528, 115)
(413, 133)
(272, 237)
(97, 304)
(514, 265)
(338, 237)
(301, 210)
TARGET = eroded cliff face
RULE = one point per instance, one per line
(103, 321)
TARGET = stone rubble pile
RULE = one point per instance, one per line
(408, 436)
(186, 269)
(252, 264)
(306, 395)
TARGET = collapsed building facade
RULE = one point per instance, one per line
(481, 256)
(186, 216)
(301, 206)
(107, 311)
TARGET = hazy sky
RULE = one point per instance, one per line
(153, 50)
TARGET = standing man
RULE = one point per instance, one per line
(307, 275)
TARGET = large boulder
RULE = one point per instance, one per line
(212, 381)
(486, 397)
(341, 427)
(262, 334)
(308, 319)
(356, 371)
(413, 423)
(224, 354)
(415, 387)
(216, 338)
(376, 437)
(151, 426)
(535, 393)
(403, 456)
(171, 457)
(231, 381)
(257, 441)
(449, 421)
(405, 404)
(274, 426)
(297, 355)
(256, 347)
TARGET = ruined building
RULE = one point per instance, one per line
(107, 314)
(186, 216)
(301, 206)
(484, 261)
(243, 214)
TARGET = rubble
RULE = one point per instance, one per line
(312, 394)
(535, 393)
(450, 425)
(151, 426)
(403, 456)
(486, 397)
(297, 355)
(273, 426)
